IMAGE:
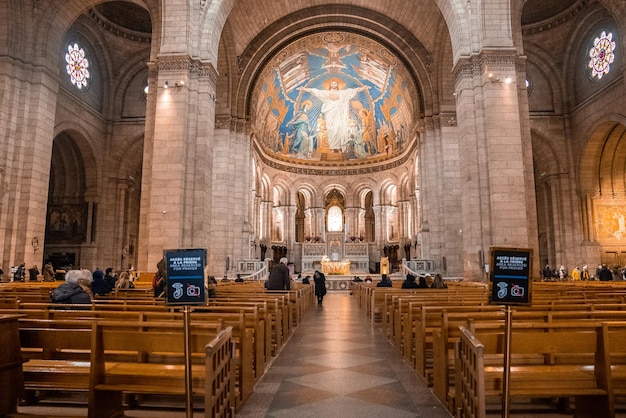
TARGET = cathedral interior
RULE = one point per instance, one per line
(348, 130)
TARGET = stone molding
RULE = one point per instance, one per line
(192, 67)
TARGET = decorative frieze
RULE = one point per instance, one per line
(341, 169)
(192, 67)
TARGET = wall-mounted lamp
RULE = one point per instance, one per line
(493, 78)
(177, 84)
(213, 97)
(507, 80)
(146, 89)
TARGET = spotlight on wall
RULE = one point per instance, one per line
(213, 97)
(493, 78)
(179, 83)
(508, 80)
(146, 89)
(166, 85)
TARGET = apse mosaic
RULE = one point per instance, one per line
(334, 97)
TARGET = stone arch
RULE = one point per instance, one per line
(603, 160)
(211, 28)
(457, 15)
(84, 145)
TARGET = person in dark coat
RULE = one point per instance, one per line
(605, 274)
(99, 286)
(33, 272)
(19, 273)
(384, 281)
(409, 283)
(158, 281)
(320, 285)
(76, 289)
(280, 278)
(109, 277)
(422, 284)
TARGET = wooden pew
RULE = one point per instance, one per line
(612, 352)
(126, 358)
(219, 391)
(243, 328)
(445, 338)
(559, 362)
(58, 359)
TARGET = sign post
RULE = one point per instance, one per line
(510, 285)
(185, 286)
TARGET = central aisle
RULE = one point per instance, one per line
(337, 365)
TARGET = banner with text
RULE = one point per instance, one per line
(185, 276)
(510, 276)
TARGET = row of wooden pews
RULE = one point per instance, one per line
(426, 326)
(110, 348)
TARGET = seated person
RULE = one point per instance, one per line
(385, 281)
(76, 289)
(124, 281)
(409, 283)
(368, 279)
(438, 282)
(99, 286)
(422, 284)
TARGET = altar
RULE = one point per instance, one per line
(335, 255)
(336, 267)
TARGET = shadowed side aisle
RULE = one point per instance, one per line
(338, 365)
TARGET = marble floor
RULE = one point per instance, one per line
(337, 365)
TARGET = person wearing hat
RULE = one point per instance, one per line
(76, 288)
(409, 282)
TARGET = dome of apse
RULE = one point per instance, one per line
(334, 98)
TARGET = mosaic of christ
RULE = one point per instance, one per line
(334, 97)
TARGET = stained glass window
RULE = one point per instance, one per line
(77, 65)
(602, 55)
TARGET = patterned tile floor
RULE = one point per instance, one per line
(338, 365)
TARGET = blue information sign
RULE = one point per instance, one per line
(185, 276)
(510, 276)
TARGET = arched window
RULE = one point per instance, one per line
(335, 219)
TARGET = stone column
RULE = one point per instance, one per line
(178, 158)
(352, 224)
(27, 116)
(495, 190)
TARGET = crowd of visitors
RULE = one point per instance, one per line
(602, 273)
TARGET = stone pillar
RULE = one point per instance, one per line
(266, 222)
(178, 158)
(495, 190)
(29, 98)
(352, 222)
(319, 220)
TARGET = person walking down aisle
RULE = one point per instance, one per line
(279, 276)
(320, 286)
(337, 365)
